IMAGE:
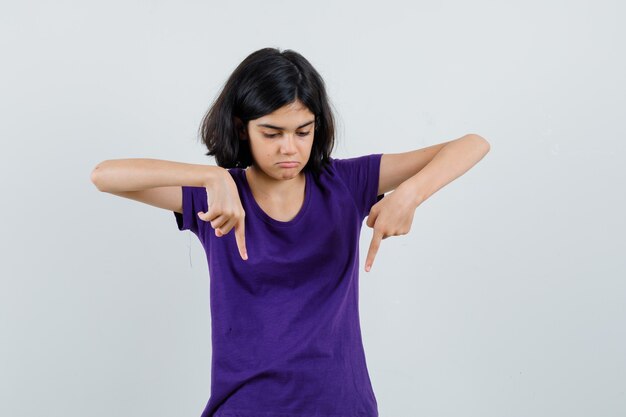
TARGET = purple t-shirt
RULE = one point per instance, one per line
(286, 335)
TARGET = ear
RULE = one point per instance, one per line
(240, 128)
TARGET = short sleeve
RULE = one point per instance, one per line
(361, 176)
(194, 200)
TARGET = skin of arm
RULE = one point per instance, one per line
(159, 183)
(453, 160)
(393, 215)
(134, 174)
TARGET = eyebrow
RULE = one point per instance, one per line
(282, 128)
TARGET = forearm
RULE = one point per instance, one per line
(452, 161)
(135, 174)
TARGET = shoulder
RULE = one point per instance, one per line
(356, 165)
(236, 173)
(352, 171)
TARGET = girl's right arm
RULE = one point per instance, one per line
(153, 181)
(159, 183)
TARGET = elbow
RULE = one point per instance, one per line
(483, 141)
(96, 176)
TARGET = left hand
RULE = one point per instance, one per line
(391, 216)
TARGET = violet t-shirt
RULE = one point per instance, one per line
(286, 335)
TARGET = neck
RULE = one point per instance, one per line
(272, 187)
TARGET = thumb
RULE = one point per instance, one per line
(371, 219)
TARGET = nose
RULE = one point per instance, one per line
(288, 146)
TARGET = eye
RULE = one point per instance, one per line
(302, 134)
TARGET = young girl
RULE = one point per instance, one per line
(280, 221)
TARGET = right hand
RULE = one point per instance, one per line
(225, 210)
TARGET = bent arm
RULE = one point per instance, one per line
(155, 182)
(453, 160)
(135, 174)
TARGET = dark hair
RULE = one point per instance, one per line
(262, 83)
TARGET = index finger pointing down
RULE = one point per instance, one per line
(240, 236)
(374, 245)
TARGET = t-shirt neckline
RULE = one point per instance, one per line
(266, 217)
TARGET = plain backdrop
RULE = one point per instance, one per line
(506, 298)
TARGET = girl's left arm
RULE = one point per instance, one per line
(453, 160)
(393, 215)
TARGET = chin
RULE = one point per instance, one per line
(287, 174)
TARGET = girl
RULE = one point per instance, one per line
(286, 335)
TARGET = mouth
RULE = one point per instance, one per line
(288, 164)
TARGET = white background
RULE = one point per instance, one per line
(507, 297)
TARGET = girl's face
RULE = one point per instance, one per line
(285, 135)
